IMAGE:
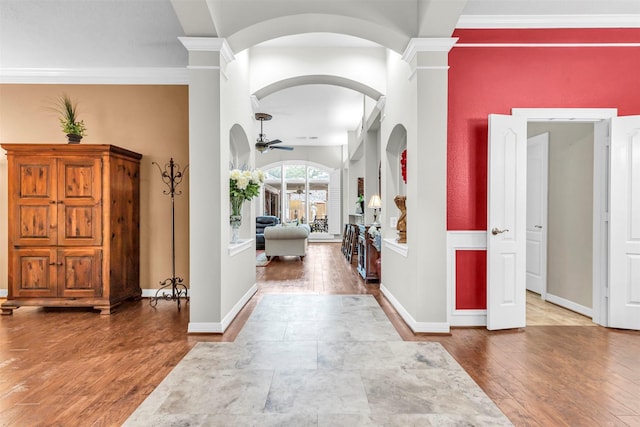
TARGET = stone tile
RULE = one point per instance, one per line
(402, 420)
(428, 391)
(337, 330)
(164, 420)
(219, 392)
(251, 355)
(262, 420)
(317, 391)
(261, 331)
(306, 360)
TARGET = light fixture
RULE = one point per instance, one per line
(375, 203)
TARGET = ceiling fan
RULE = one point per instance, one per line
(262, 143)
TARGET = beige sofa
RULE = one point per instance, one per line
(286, 240)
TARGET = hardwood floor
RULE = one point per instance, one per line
(76, 368)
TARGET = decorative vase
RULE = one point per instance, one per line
(73, 138)
(402, 221)
(236, 222)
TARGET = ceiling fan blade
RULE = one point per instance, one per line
(275, 141)
(282, 148)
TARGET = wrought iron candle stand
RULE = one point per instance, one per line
(172, 177)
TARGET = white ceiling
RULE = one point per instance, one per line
(72, 34)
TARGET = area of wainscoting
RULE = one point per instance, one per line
(463, 241)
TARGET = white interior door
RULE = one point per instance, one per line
(624, 224)
(506, 228)
(537, 189)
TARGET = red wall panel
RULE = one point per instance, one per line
(471, 279)
(484, 80)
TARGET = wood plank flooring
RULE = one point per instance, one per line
(77, 368)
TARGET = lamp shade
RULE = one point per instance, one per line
(375, 202)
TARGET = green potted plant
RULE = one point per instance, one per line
(74, 128)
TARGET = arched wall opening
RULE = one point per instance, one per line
(318, 79)
(395, 184)
(239, 158)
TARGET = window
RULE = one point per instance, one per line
(305, 198)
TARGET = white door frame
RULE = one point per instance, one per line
(543, 224)
(600, 185)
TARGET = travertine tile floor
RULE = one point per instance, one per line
(318, 360)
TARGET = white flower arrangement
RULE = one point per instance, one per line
(243, 185)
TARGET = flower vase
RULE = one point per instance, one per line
(236, 222)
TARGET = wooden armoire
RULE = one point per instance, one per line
(74, 226)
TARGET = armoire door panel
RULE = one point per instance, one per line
(35, 271)
(80, 273)
(80, 211)
(32, 216)
(35, 178)
(35, 225)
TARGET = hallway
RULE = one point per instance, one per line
(318, 360)
(80, 368)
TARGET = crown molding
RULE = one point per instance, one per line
(208, 44)
(549, 21)
(116, 76)
(440, 44)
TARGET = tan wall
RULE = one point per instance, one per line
(151, 120)
(570, 214)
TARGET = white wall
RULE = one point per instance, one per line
(417, 99)
(398, 272)
(570, 216)
(235, 278)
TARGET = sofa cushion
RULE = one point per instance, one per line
(286, 233)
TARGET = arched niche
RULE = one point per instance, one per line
(239, 147)
(396, 144)
(239, 157)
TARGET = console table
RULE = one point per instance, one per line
(368, 255)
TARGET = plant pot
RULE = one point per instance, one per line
(72, 138)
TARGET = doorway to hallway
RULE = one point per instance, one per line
(506, 239)
(559, 223)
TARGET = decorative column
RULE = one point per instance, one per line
(427, 185)
(208, 222)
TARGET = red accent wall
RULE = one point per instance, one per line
(486, 80)
(495, 80)
(471, 273)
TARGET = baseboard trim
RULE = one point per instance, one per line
(416, 327)
(570, 305)
(462, 318)
(220, 327)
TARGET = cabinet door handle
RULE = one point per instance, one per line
(53, 202)
(56, 263)
(60, 202)
(52, 263)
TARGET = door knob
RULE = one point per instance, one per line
(538, 226)
(497, 231)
